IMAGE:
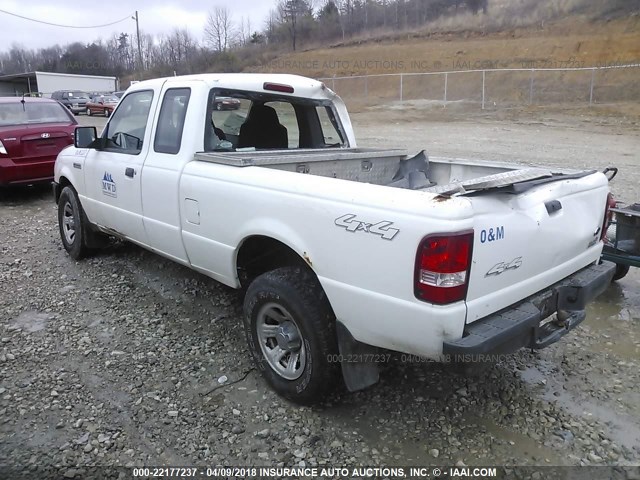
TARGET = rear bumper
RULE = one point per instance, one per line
(519, 325)
(77, 109)
(12, 173)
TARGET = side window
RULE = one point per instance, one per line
(330, 133)
(125, 131)
(171, 120)
(287, 117)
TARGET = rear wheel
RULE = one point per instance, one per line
(88, 111)
(291, 334)
(106, 112)
(621, 271)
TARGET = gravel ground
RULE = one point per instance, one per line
(129, 359)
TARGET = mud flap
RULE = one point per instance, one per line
(358, 373)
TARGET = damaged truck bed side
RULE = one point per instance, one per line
(342, 250)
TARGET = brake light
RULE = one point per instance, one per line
(277, 87)
(442, 267)
(608, 215)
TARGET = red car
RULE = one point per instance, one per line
(102, 105)
(32, 133)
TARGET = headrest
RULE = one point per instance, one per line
(263, 113)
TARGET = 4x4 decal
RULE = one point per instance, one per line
(351, 224)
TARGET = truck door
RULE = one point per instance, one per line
(177, 134)
(113, 174)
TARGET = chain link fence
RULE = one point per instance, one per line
(495, 88)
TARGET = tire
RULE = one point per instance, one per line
(106, 112)
(88, 112)
(290, 303)
(621, 272)
(75, 231)
(218, 106)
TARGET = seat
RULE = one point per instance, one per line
(263, 129)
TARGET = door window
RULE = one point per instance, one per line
(125, 131)
(171, 120)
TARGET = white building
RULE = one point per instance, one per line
(48, 82)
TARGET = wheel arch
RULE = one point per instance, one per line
(63, 182)
(258, 254)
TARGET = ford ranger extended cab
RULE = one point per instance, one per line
(344, 252)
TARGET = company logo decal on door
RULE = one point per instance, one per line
(109, 186)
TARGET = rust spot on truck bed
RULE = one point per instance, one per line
(441, 198)
(307, 259)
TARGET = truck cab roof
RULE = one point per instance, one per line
(285, 84)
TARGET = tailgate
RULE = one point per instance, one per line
(525, 242)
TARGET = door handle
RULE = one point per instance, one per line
(130, 172)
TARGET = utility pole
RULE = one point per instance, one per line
(138, 35)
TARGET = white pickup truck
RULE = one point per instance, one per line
(346, 253)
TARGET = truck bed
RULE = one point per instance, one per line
(390, 167)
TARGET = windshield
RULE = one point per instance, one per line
(109, 99)
(78, 94)
(27, 113)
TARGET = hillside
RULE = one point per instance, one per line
(574, 41)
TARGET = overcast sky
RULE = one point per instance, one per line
(156, 16)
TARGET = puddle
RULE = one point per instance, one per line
(623, 429)
(614, 319)
(32, 321)
(519, 445)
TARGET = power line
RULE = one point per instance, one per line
(64, 26)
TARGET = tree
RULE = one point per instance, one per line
(295, 13)
(257, 38)
(219, 30)
(329, 21)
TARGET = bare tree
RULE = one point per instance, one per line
(219, 30)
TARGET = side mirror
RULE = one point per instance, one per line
(85, 137)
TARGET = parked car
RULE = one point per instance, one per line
(226, 103)
(33, 131)
(119, 93)
(74, 100)
(342, 251)
(102, 105)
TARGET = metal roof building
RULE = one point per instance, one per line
(48, 82)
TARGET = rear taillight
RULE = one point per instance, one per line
(442, 267)
(608, 215)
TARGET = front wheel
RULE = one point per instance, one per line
(74, 227)
(290, 329)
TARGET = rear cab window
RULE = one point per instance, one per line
(244, 120)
